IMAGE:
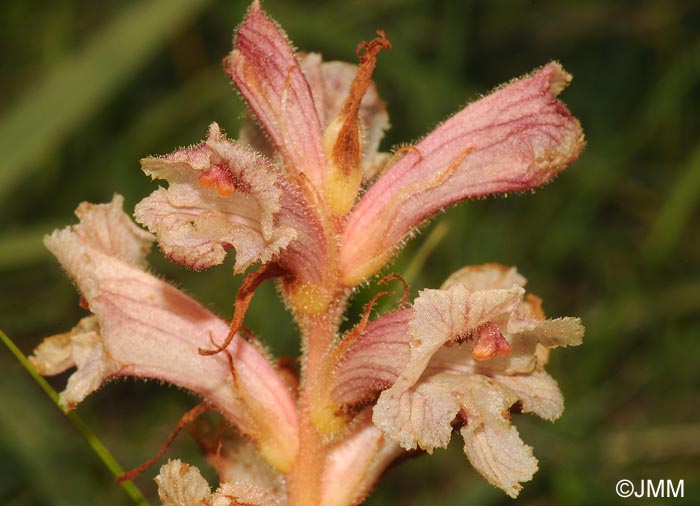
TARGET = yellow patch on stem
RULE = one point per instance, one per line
(307, 299)
(326, 419)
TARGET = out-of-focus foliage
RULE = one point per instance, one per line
(88, 88)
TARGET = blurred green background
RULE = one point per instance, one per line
(89, 88)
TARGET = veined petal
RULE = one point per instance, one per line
(517, 138)
(551, 333)
(307, 256)
(355, 464)
(359, 368)
(264, 68)
(422, 415)
(220, 195)
(374, 360)
(148, 328)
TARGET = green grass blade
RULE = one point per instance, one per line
(102, 452)
(63, 99)
(437, 234)
(676, 212)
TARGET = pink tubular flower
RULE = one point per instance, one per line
(147, 328)
(288, 195)
(518, 137)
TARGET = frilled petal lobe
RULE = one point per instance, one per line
(221, 194)
(81, 347)
(517, 138)
(264, 68)
(182, 485)
(537, 392)
(147, 328)
(491, 443)
(449, 374)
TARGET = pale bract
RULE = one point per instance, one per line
(306, 194)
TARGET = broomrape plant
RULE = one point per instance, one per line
(305, 193)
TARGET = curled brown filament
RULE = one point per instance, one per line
(186, 419)
(245, 294)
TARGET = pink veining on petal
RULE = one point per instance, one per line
(150, 329)
(374, 361)
(517, 138)
(264, 68)
(307, 255)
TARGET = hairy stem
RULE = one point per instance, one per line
(319, 333)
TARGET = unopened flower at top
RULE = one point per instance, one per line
(306, 194)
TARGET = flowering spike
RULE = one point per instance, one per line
(284, 196)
